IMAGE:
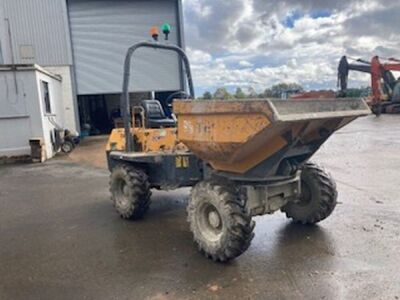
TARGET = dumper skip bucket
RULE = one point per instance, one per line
(259, 135)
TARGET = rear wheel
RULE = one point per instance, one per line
(130, 192)
(220, 223)
(317, 199)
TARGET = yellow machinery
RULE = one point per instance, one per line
(242, 158)
(236, 136)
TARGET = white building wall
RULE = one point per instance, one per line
(22, 113)
(71, 116)
(55, 119)
(16, 124)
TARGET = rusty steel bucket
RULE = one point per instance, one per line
(237, 136)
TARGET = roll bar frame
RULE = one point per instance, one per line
(125, 101)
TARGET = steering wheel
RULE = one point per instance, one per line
(182, 94)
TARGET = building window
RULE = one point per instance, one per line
(46, 96)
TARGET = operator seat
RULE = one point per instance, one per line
(155, 115)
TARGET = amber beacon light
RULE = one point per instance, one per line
(154, 33)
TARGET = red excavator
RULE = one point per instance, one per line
(385, 88)
(390, 102)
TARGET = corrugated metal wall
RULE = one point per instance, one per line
(39, 31)
(2, 33)
(102, 31)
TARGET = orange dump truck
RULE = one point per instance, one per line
(242, 158)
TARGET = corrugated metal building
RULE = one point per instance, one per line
(85, 41)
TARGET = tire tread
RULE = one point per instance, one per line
(240, 227)
(326, 203)
(138, 183)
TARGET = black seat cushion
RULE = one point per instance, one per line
(155, 115)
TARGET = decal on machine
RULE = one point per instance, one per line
(182, 162)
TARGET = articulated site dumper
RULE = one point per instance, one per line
(242, 158)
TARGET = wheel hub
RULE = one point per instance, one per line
(66, 148)
(209, 222)
(214, 219)
(306, 196)
(123, 194)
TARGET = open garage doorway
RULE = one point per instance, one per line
(99, 114)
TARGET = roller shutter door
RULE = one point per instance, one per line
(102, 31)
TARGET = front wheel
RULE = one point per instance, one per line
(67, 147)
(130, 191)
(220, 223)
(318, 196)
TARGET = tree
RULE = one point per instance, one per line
(251, 92)
(207, 95)
(267, 93)
(358, 92)
(222, 94)
(240, 94)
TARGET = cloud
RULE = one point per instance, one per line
(251, 43)
(245, 64)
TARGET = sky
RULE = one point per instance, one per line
(258, 43)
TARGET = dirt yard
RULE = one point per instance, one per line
(91, 151)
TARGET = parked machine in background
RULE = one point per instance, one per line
(385, 87)
(312, 95)
(69, 142)
(63, 139)
(387, 101)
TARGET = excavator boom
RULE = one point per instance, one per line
(344, 69)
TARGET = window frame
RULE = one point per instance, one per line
(45, 87)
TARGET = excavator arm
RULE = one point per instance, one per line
(343, 73)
